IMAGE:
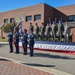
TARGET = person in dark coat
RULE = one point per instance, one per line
(31, 37)
(62, 32)
(24, 41)
(56, 32)
(10, 40)
(16, 40)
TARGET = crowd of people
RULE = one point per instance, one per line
(50, 32)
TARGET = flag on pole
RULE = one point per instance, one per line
(20, 26)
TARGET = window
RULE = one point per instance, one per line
(72, 18)
(12, 20)
(37, 17)
(5, 20)
(28, 18)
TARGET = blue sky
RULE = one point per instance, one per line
(6, 5)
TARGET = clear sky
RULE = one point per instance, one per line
(6, 5)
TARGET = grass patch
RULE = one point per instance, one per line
(3, 40)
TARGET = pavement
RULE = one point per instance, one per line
(42, 63)
(8, 67)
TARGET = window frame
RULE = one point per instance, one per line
(30, 19)
(5, 21)
(72, 18)
(37, 17)
(12, 21)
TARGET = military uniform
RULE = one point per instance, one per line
(53, 33)
(37, 32)
(47, 32)
(61, 32)
(59, 25)
(56, 31)
(31, 28)
(31, 43)
(16, 41)
(42, 32)
(10, 39)
(67, 33)
(24, 43)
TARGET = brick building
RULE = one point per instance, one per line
(37, 14)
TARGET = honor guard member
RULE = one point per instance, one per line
(10, 40)
(31, 42)
(53, 33)
(24, 41)
(31, 28)
(16, 40)
(37, 32)
(42, 31)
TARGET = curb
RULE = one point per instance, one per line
(5, 43)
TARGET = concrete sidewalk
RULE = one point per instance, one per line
(4, 43)
(8, 67)
(15, 67)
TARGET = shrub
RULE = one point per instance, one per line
(8, 26)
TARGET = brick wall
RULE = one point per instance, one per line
(32, 10)
(67, 10)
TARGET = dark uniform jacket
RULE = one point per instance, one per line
(16, 37)
(24, 38)
(10, 36)
(55, 28)
(31, 38)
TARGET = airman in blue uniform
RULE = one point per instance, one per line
(16, 40)
(10, 39)
(24, 41)
(31, 42)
